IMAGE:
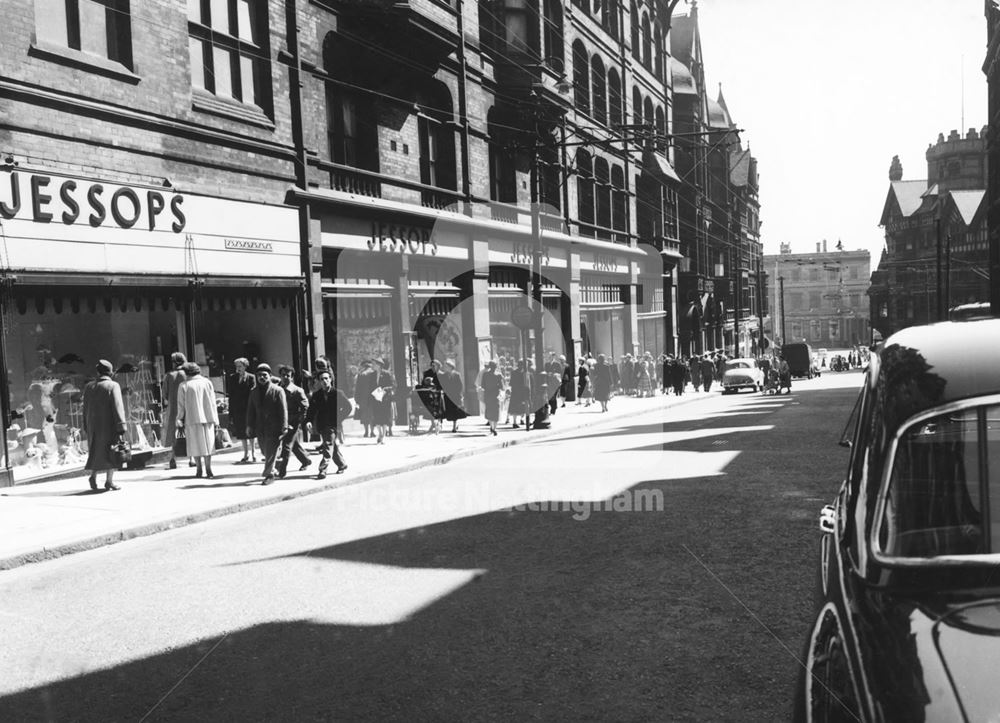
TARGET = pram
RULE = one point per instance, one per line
(771, 382)
(426, 403)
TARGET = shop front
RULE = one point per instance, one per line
(397, 289)
(97, 270)
(606, 291)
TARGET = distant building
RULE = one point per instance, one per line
(944, 214)
(819, 297)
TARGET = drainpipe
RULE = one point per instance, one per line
(304, 342)
(463, 115)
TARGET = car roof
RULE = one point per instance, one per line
(743, 359)
(941, 363)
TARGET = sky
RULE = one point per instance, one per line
(828, 92)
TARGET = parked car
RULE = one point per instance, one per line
(907, 622)
(742, 374)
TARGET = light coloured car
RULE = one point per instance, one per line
(742, 374)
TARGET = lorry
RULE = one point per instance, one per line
(799, 358)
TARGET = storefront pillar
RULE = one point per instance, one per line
(400, 325)
(314, 287)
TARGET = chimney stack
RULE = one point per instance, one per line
(817, 247)
(824, 245)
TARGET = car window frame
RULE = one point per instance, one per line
(874, 544)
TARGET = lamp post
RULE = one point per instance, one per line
(781, 292)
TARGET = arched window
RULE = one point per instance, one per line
(599, 97)
(554, 52)
(584, 190)
(619, 203)
(648, 118)
(661, 128)
(614, 99)
(610, 19)
(633, 17)
(647, 42)
(636, 105)
(581, 78)
(602, 180)
(658, 52)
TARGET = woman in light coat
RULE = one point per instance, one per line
(198, 415)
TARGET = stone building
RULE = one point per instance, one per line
(936, 249)
(719, 276)
(819, 298)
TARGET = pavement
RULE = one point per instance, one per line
(45, 520)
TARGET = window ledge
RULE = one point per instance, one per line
(205, 102)
(83, 61)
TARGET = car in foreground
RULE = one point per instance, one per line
(742, 374)
(907, 621)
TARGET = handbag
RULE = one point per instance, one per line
(180, 445)
(120, 452)
(378, 393)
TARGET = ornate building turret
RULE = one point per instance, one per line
(957, 163)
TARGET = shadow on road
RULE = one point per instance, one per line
(624, 616)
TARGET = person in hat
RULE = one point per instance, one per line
(198, 416)
(171, 383)
(381, 396)
(103, 423)
(492, 385)
(267, 418)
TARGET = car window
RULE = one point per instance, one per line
(738, 365)
(941, 483)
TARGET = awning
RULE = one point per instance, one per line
(657, 165)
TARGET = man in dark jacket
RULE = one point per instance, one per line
(267, 418)
(329, 406)
(298, 405)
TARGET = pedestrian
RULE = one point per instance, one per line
(616, 380)
(297, 404)
(454, 390)
(363, 388)
(171, 382)
(566, 382)
(198, 416)
(553, 370)
(328, 407)
(267, 419)
(103, 423)
(627, 374)
(696, 372)
(520, 393)
(583, 388)
(645, 376)
(239, 385)
(381, 397)
(602, 382)
(492, 385)
(784, 376)
(680, 377)
(707, 372)
(667, 364)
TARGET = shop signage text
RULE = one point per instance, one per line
(71, 199)
(525, 254)
(395, 238)
(605, 263)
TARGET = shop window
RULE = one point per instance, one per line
(100, 28)
(229, 51)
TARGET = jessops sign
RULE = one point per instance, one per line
(60, 223)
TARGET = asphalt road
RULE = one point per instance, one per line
(656, 568)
